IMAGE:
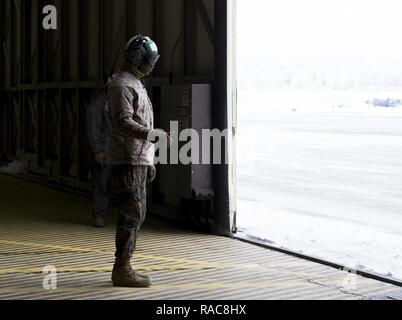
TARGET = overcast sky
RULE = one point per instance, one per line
(343, 27)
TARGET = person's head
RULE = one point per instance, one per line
(141, 54)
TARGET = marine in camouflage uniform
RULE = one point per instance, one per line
(97, 130)
(130, 154)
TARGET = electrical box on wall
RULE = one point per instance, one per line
(189, 106)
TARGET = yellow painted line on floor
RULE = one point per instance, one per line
(88, 250)
(180, 264)
(98, 270)
(267, 283)
(187, 264)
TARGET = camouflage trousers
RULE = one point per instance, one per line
(127, 186)
(100, 197)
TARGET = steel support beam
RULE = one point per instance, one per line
(220, 116)
(190, 38)
(200, 7)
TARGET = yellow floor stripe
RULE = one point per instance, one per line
(195, 265)
(101, 270)
(87, 250)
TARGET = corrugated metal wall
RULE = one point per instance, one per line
(49, 77)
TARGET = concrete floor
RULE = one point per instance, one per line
(42, 227)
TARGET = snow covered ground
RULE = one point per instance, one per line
(323, 181)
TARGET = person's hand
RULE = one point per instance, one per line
(100, 159)
(151, 175)
(162, 135)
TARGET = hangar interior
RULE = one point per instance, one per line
(49, 77)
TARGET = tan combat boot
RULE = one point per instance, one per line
(124, 276)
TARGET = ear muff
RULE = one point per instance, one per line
(133, 56)
(134, 50)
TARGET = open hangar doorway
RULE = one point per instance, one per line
(317, 116)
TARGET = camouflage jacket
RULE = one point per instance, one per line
(131, 118)
(97, 125)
